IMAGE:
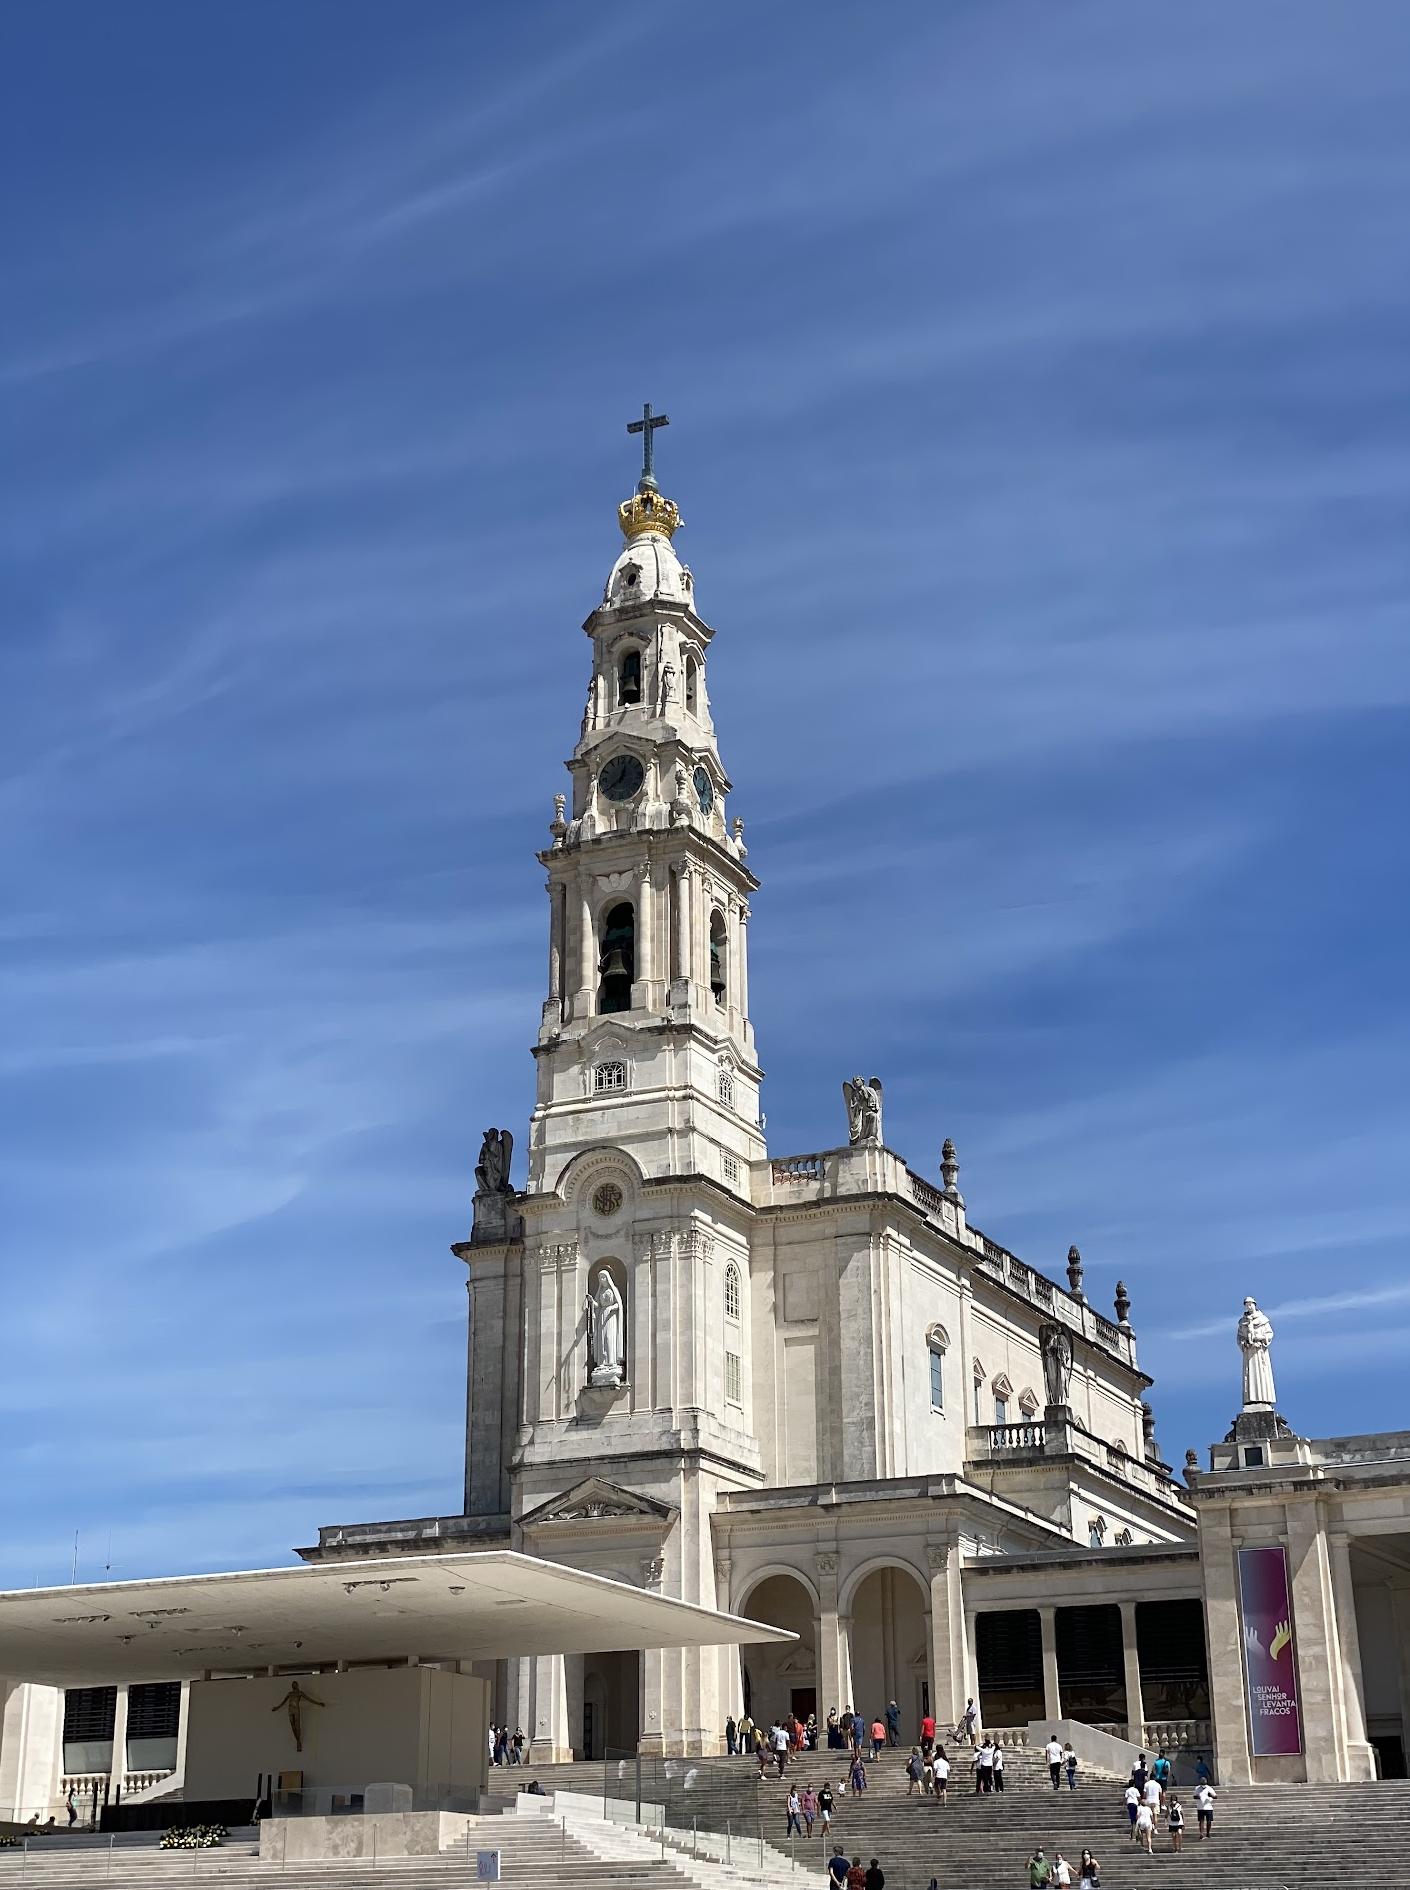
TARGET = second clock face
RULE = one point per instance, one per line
(704, 789)
(621, 777)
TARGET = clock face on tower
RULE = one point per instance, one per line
(621, 777)
(704, 789)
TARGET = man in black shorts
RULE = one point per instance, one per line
(1205, 1796)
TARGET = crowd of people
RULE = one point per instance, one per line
(1151, 1800)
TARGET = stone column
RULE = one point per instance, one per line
(183, 1725)
(1052, 1695)
(947, 1648)
(1315, 1638)
(118, 1771)
(587, 954)
(684, 964)
(700, 932)
(645, 936)
(834, 1653)
(1360, 1759)
(1131, 1660)
(971, 1663)
(1224, 1635)
(548, 1717)
(555, 947)
(741, 961)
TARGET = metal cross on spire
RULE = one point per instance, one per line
(647, 426)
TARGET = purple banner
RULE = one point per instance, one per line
(1270, 1665)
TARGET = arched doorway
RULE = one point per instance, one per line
(890, 1645)
(778, 1680)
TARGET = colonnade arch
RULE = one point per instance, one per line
(886, 1603)
(777, 1680)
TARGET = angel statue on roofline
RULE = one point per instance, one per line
(863, 1100)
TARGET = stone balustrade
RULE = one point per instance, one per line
(1177, 1735)
(82, 1783)
(1061, 1438)
(800, 1168)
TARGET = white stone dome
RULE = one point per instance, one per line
(647, 568)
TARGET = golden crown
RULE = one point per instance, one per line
(647, 511)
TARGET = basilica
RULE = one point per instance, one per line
(801, 1386)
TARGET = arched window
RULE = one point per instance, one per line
(1096, 1531)
(938, 1341)
(692, 682)
(629, 678)
(609, 1076)
(979, 1376)
(719, 952)
(616, 965)
(731, 1291)
(726, 1081)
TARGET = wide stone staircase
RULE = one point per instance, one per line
(1297, 1837)
(536, 1854)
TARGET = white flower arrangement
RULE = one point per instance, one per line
(193, 1837)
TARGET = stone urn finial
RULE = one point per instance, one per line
(1123, 1305)
(950, 1172)
(1074, 1272)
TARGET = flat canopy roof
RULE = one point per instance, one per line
(431, 1607)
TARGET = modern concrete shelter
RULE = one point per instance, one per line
(346, 1675)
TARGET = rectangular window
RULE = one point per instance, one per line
(89, 1716)
(153, 1721)
(731, 1168)
(1001, 1410)
(733, 1379)
(937, 1379)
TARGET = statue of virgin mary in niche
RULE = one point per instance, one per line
(606, 1323)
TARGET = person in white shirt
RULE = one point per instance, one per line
(1145, 1826)
(998, 1767)
(1133, 1805)
(1062, 1872)
(942, 1774)
(1152, 1794)
(984, 1768)
(1205, 1796)
(1052, 1752)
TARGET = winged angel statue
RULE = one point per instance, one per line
(863, 1099)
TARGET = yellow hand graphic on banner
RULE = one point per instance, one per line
(1282, 1638)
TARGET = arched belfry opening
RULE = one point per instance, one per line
(629, 678)
(692, 682)
(719, 955)
(616, 964)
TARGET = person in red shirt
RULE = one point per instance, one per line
(927, 1732)
(856, 1876)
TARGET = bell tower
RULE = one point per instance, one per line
(645, 1042)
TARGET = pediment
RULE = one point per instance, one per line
(597, 1500)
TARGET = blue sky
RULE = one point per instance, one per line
(1039, 402)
